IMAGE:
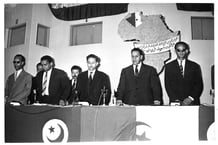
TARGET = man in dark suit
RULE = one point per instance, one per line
(139, 83)
(75, 71)
(183, 78)
(18, 85)
(52, 85)
(32, 96)
(93, 85)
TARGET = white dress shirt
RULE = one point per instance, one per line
(183, 64)
(93, 73)
(17, 73)
(138, 67)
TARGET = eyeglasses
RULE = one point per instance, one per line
(178, 50)
(16, 62)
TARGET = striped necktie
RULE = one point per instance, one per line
(181, 68)
(74, 84)
(44, 84)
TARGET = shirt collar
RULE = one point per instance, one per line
(138, 65)
(48, 72)
(93, 72)
(18, 72)
(183, 61)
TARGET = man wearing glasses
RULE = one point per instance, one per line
(18, 85)
(183, 78)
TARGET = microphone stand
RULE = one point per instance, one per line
(103, 94)
(76, 100)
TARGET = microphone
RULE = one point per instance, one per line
(103, 94)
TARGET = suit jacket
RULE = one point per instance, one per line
(139, 90)
(31, 97)
(18, 90)
(59, 87)
(73, 93)
(179, 87)
(100, 80)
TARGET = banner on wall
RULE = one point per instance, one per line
(158, 47)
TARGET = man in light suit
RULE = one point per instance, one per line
(18, 85)
(139, 83)
(183, 78)
(93, 85)
(52, 84)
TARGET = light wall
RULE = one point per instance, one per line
(113, 51)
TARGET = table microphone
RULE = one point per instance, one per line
(103, 94)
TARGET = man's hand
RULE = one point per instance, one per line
(61, 102)
(119, 103)
(6, 98)
(156, 102)
(187, 101)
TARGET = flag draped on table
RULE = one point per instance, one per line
(108, 123)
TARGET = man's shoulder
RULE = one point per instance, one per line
(83, 73)
(147, 66)
(171, 62)
(127, 68)
(192, 62)
(27, 74)
(59, 71)
(11, 76)
(102, 73)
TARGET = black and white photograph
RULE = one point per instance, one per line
(109, 72)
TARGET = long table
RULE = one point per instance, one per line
(106, 123)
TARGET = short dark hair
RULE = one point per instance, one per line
(48, 58)
(140, 52)
(93, 56)
(182, 43)
(38, 64)
(76, 67)
(22, 58)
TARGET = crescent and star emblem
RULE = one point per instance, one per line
(55, 130)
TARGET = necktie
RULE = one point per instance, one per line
(136, 70)
(90, 77)
(89, 82)
(44, 84)
(15, 76)
(181, 68)
(74, 84)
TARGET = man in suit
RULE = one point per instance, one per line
(139, 83)
(75, 71)
(183, 78)
(18, 85)
(52, 84)
(93, 85)
(32, 96)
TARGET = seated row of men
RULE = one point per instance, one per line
(139, 83)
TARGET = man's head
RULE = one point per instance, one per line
(39, 67)
(137, 56)
(47, 62)
(75, 71)
(19, 62)
(93, 62)
(182, 50)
